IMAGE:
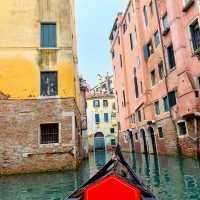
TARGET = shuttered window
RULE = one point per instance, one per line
(157, 108)
(166, 104)
(195, 34)
(48, 35)
(146, 21)
(171, 57)
(97, 118)
(106, 118)
(172, 98)
(49, 84)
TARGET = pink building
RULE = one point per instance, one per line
(155, 47)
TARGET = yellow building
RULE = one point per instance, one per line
(101, 121)
(39, 86)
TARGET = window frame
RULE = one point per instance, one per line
(97, 121)
(155, 108)
(171, 68)
(190, 33)
(156, 34)
(56, 35)
(59, 134)
(57, 86)
(96, 100)
(178, 130)
(167, 98)
(151, 73)
(160, 127)
(106, 117)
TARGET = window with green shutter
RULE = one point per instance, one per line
(48, 35)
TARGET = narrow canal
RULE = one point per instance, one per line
(170, 178)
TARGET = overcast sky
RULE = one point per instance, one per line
(95, 19)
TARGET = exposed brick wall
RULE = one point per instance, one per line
(20, 121)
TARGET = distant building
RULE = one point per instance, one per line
(40, 119)
(104, 85)
(155, 47)
(84, 88)
(102, 126)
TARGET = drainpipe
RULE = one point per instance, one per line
(165, 66)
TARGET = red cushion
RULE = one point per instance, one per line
(111, 188)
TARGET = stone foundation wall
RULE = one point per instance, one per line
(20, 148)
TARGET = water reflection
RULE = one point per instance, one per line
(170, 178)
(100, 159)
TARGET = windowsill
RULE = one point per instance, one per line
(161, 138)
(49, 97)
(166, 31)
(183, 136)
(49, 145)
(188, 6)
(48, 48)
(171, 70)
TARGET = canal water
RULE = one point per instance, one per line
(169, 178)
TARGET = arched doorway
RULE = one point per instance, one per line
(144, 140)
(153, 139)
(99, 141)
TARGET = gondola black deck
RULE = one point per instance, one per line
(116, 167)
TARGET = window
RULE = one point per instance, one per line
(124, 98)
(153, 77)
(136, 84)
(161, 70)
(136, 136)
(120, 60)
(187, 4)
(166, 104)
(165, 24)
(145, 16)
(48, 84)
(139, 116)
(118, 38)
(156, 39)
(105, 103)
(131, 40)
(129, 17)
(198, 82)
(132, 119)
(157, 108)
(106, 118)
(171, 57)
(49, 133)
(160, 132)
(148, 50)
(124, 26)
(112, 130)
(97, 118)
(96, 103)
(172, 98)
(113, 54)
(113, 142)
(182, 129)
(195, 34)
(151, 6)
(48, 35)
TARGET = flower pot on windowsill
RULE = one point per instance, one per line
(197, 53)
